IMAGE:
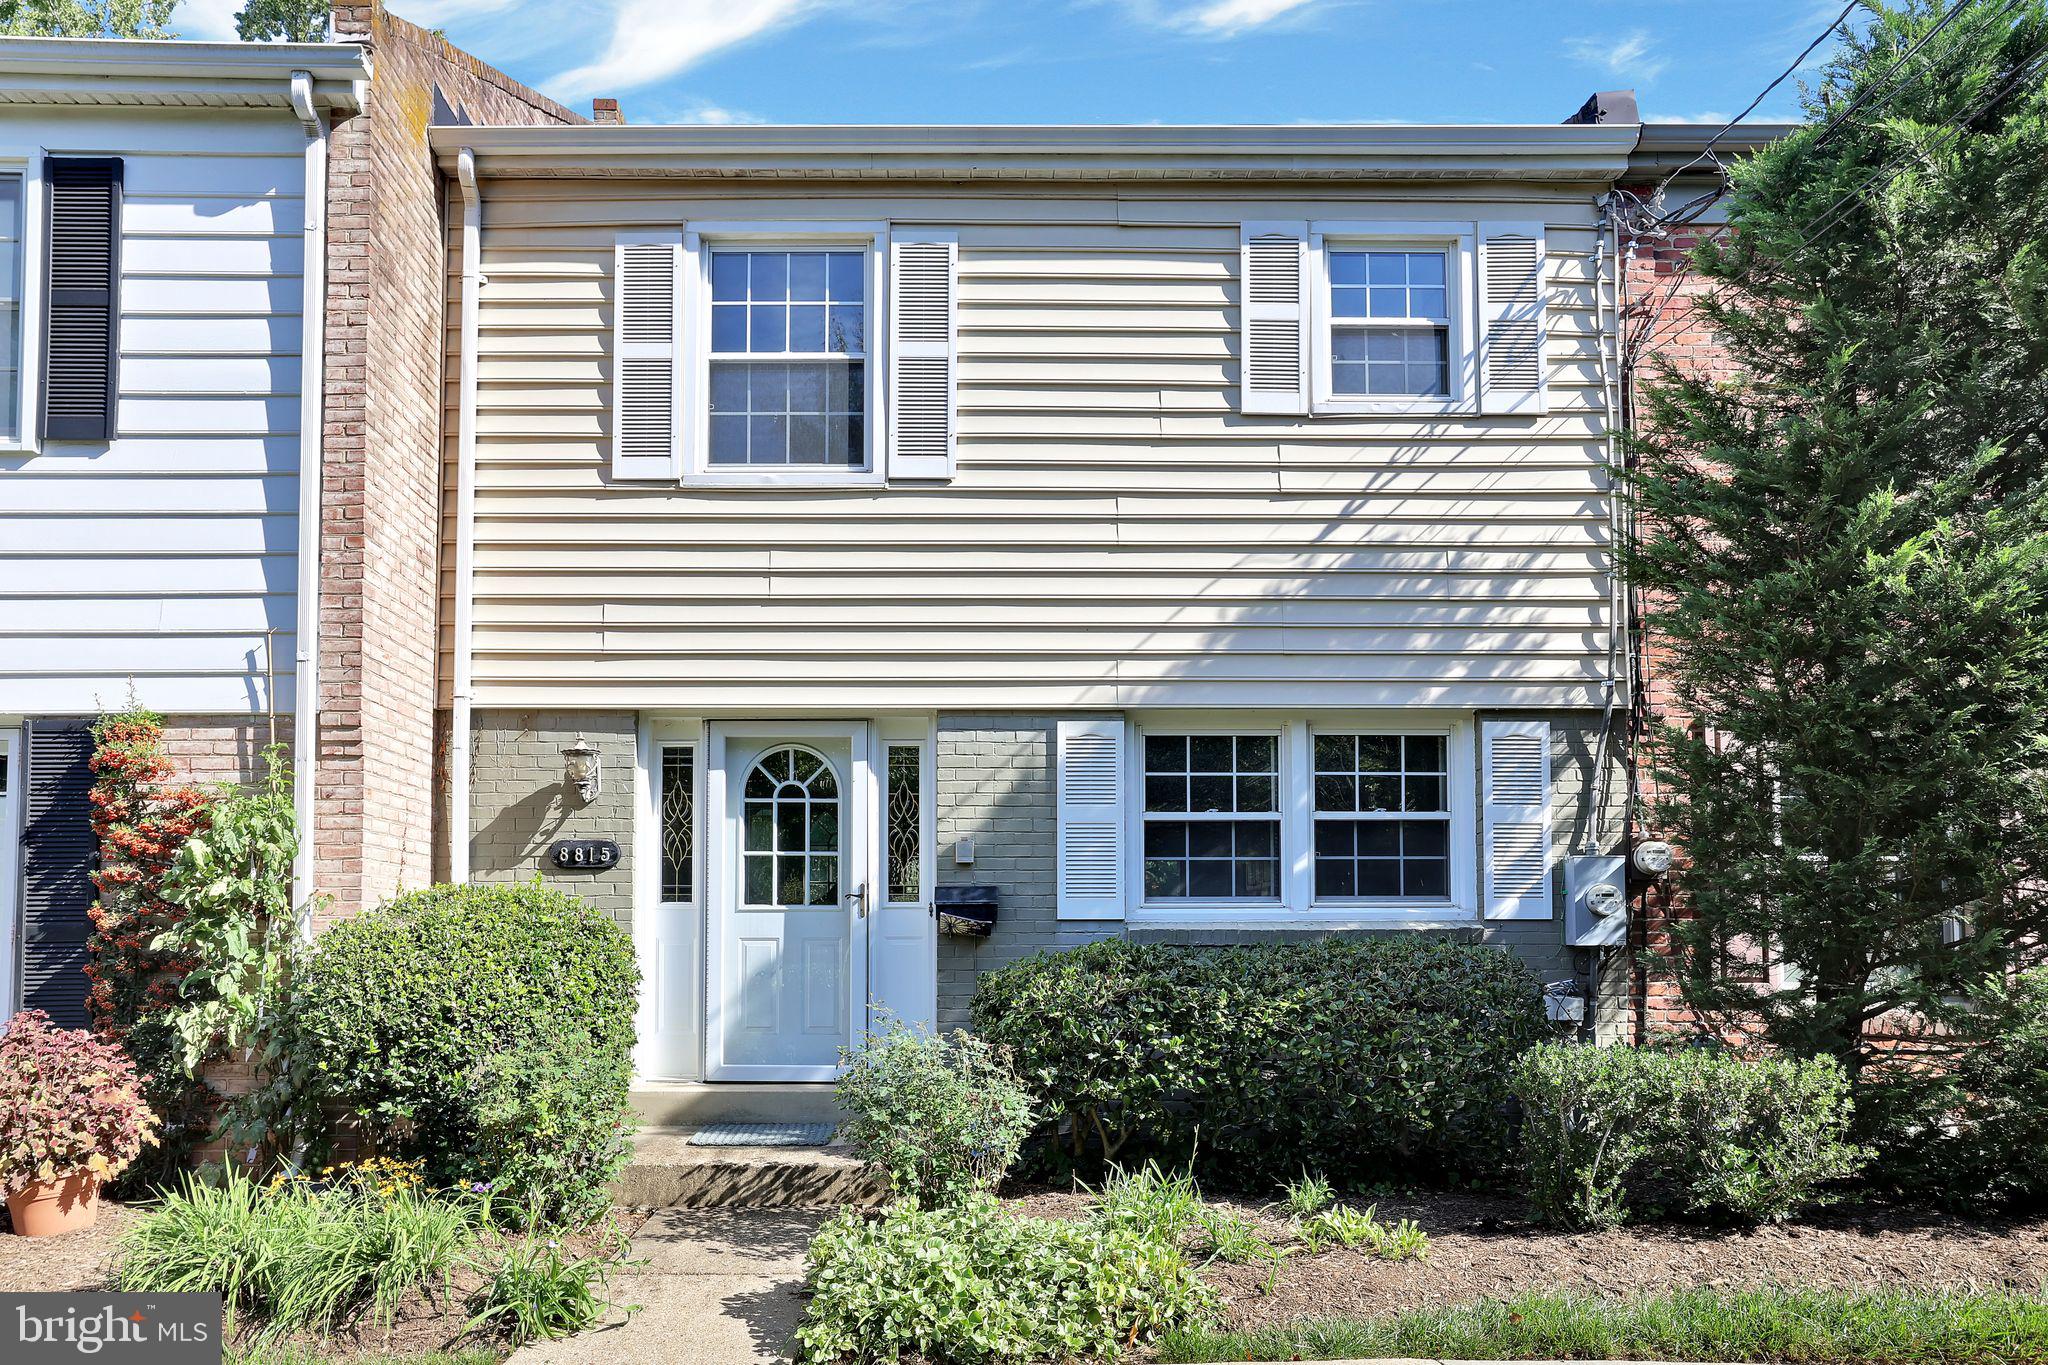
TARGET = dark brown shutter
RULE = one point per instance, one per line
(82, 316)
(58, 853)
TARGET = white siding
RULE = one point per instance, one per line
(169, 556)
(1117, 533)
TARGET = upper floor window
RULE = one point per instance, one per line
(788, 358)
(1393, 330)
(1390, 324)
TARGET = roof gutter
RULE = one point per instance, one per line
(312, 386)
(462, 685)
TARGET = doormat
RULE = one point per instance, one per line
(763, 1135)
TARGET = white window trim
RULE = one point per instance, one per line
(1297, 904)
(1459, 243)
(27, 162)
(700, 240)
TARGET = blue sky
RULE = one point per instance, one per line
(1126, 61)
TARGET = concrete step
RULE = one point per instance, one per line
(691, 1104)
(668, 1172)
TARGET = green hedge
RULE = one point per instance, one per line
(1614, 1134)
(455, 1019)
(1366, 1059)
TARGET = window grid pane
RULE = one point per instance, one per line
(678, 822)
(1390, 328)
(1198, 845)
(790, 827)
(1382, 816)
(786, 411)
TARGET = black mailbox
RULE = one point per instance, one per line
(966, 910)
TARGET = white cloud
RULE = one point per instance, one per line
(1630, 55)
(717, 114)
(206, 20)
(654, 39)
(1215, 18)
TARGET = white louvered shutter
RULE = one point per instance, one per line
(923, 280)
(1091, 816)
(1511, 319)
(647, 364)
(1515, 775)
(1274, 315)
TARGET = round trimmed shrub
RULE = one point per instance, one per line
(440, 1017)
(1367, 1059)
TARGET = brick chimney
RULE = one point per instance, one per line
(606, 111)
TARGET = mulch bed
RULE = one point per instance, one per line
(1483, 1247)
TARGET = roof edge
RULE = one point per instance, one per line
(130, 71)
(972, 151)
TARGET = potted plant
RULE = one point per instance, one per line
(71, 1116)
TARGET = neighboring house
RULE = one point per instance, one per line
(1188, 534)
(184, 224)
(158, 204)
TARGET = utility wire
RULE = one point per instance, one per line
(1833, 214)
(1797, 62)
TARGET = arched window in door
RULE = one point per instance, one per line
(791, 844)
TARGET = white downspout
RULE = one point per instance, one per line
(465, 520)
(312, 384)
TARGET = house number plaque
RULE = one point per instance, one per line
(583, 855)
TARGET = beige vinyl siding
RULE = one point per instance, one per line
(1117, 534)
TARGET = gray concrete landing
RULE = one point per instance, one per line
(714, 1286)
(668, 1172)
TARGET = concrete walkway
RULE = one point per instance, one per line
(715, 1287)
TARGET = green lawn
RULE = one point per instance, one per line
(1805, 1327)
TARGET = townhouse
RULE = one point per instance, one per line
(1189, 534)
(158, 205)
(220, 394)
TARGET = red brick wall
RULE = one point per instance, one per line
(1660, 293)
(380, 520)
(212, 750)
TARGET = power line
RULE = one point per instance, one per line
(1891, 73)
(1797, 62)
(1954, 129)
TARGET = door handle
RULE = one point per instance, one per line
(859, 896)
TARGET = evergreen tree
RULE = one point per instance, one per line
(1845, 547)
(285, 21)
(87, 18)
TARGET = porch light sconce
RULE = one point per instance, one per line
(584, 768)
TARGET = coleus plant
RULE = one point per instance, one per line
(70, 1104)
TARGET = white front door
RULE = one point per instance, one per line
(790, 880)
(11, 779)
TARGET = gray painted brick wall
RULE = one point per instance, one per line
(995, 787)
(520, 802)
(995, 776)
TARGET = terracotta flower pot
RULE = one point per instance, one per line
(47, 1208)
